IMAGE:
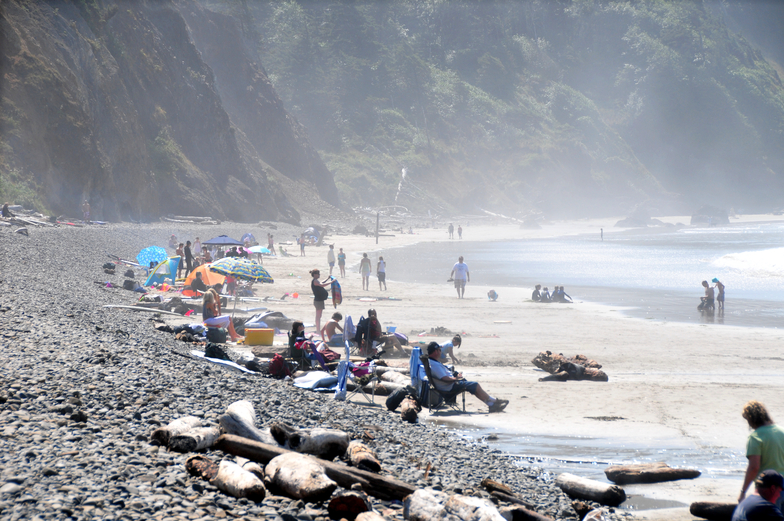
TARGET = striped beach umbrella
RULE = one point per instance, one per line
(240, 268)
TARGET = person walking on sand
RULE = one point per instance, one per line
(86, 211)
(460, 275)
(720, 297)
(459, 231)
(180, 252)
(381, 273)
(331, 258)
(320, 295)
(271, 244)
(342, 263)
(301, 241)
(451, 230)
(765, 445)
(364, 270)
(197, 247)
(445, 382)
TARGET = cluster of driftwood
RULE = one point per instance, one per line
(298, 463)
(24, 223)
(561, 368)
(189, 219)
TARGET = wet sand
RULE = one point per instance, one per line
(671, 384)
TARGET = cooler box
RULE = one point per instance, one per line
(259, 337)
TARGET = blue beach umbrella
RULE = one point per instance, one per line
(154, 254)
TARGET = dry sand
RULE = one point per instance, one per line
(671, 384)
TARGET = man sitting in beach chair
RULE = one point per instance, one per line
(449, 384)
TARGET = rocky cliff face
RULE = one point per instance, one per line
(146, 108)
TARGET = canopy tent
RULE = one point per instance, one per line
(222, 240)
(165, 270)
(249, 237)
(210, 278)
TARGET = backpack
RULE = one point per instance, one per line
(216, 351)
(278, 367)
(216, 335)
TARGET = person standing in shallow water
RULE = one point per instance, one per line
(720, 297)
(451, 230)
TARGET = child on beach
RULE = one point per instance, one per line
(720, 296)
(328, 331)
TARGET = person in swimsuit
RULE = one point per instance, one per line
(211, 314)
(381, 272)
(320, 295)
(707, 300)
(342, 262)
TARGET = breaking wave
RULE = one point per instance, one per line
(758, 264)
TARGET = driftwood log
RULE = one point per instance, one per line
(582, 488)
(647, 473)
(201, 466)
(348, 505)
(714, 511)
(382, 487)
(240, 419)
(362, 457)
(298, 476)
(174, 428)
(193, 440)
(238, 482)
(409, 410)
(511, 498)
(425, 505)
(251, 466)
(323, 443)
(395, 377)
(370, 516)
(381, 388)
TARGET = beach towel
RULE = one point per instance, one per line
(337, 293)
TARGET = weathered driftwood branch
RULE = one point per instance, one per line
(395, 377)
(509, 498)
(409, 410)
(362, 457)
(240, 419)
(370, 516)
(647, 473)
(491, 485)
(298, 476)
(174, 428)
(582, 488)
(382, 487)
(193, 440)
(323, 443)
(715, 511)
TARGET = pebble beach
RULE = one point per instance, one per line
(84, 386)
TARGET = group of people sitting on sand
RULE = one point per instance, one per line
(544, 295)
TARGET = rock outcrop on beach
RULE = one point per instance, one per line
(83, 389)
(710, 215)
(144, 109)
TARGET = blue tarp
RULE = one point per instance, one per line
(165, 270)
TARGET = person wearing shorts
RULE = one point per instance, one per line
(381, 272)
(461, 276)
(320, 295)
(331, 258)
(444, 381)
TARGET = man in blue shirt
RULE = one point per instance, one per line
(762, 505)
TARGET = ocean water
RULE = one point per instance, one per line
(655, 273)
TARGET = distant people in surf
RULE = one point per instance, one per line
(544, 295)
(707, 302)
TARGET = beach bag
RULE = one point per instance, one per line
(396, 398)
(129, 284)
(278, 368)
(216, 351)
(216, 335)
(129, 274)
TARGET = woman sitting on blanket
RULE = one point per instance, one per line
(211, 314)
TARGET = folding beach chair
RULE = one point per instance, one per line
(429, 395)
(318, 357)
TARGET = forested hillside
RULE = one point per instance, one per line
(144, 108)
(565, 107)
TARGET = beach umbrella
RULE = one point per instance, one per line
(222, 240)
(210, 278)
(240, 268)
(249, 237)
(150, 254)
(258, 249)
